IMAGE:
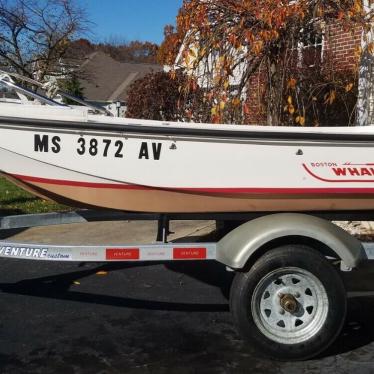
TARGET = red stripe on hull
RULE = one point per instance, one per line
(274, 191)
(59, 182)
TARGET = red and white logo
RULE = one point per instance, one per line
(123, 254)
(340, 173)
(189, 253)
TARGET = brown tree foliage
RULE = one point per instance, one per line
(173, 39)
(158, 96)
(261, 38)
(80, 49)
(35, 34)
(319, 96)
(134, 51)
(169, 48)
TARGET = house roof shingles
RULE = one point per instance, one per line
(108, 80)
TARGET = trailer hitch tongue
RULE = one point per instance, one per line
(288, 303)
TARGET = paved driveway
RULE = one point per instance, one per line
(159, 318)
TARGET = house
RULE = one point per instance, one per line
(106, 81)
(329, 44)
(323, 44)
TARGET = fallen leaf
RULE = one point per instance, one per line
(102, 273)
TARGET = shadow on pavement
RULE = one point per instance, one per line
(8, 233)
(359, 327)
(58, 287)
(358, 330)
(212, 273)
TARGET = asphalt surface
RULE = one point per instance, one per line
(148, 318)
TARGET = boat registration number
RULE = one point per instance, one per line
(97, 147)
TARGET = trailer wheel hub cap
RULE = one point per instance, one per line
(289, 305)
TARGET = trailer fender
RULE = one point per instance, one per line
(237, 247)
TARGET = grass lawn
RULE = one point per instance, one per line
(14, 200)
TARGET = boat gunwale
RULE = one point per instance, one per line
(185, 131)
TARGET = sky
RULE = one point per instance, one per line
(126, 20)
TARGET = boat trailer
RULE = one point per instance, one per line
(287, 290)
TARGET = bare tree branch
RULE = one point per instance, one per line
(35, 34)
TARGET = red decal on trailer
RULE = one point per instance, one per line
(123, 254)
(189, 253)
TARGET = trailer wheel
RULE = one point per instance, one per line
(291, 304)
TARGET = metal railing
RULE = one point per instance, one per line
(6, 79)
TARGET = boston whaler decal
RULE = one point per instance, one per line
(337, 172)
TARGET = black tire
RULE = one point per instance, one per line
(244, 293)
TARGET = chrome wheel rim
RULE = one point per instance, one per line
(289, 305)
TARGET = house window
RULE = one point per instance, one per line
(311, 47)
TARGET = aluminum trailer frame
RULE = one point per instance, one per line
(258, 226)
(158, 251)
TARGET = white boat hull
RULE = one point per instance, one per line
(172, 170)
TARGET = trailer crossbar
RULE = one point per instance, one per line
(89, 215)
(80, 216)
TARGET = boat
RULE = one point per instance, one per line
(74, 156)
